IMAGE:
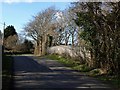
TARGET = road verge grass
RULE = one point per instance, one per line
(113, 80)
(75, 65)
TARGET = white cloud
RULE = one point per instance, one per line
(59, 15)
(17, 1)
(30, 1)
(10, 1)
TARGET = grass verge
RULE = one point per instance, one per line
(7, 62)
(112, 80)
(75, 65)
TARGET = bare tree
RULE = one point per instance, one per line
(40, 28)
(69, 30)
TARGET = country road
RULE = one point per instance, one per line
(45, 74)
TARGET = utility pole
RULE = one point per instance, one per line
(4, 26)
(3, 32)
(1, 52)
(3, 35)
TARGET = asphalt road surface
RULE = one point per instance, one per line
(31, 73)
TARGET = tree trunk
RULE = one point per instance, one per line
(72, 40)
(92, 62)
(38, 50)
(44, 45)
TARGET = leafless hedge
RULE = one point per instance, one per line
(75, 53)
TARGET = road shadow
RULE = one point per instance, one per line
(45, 74)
